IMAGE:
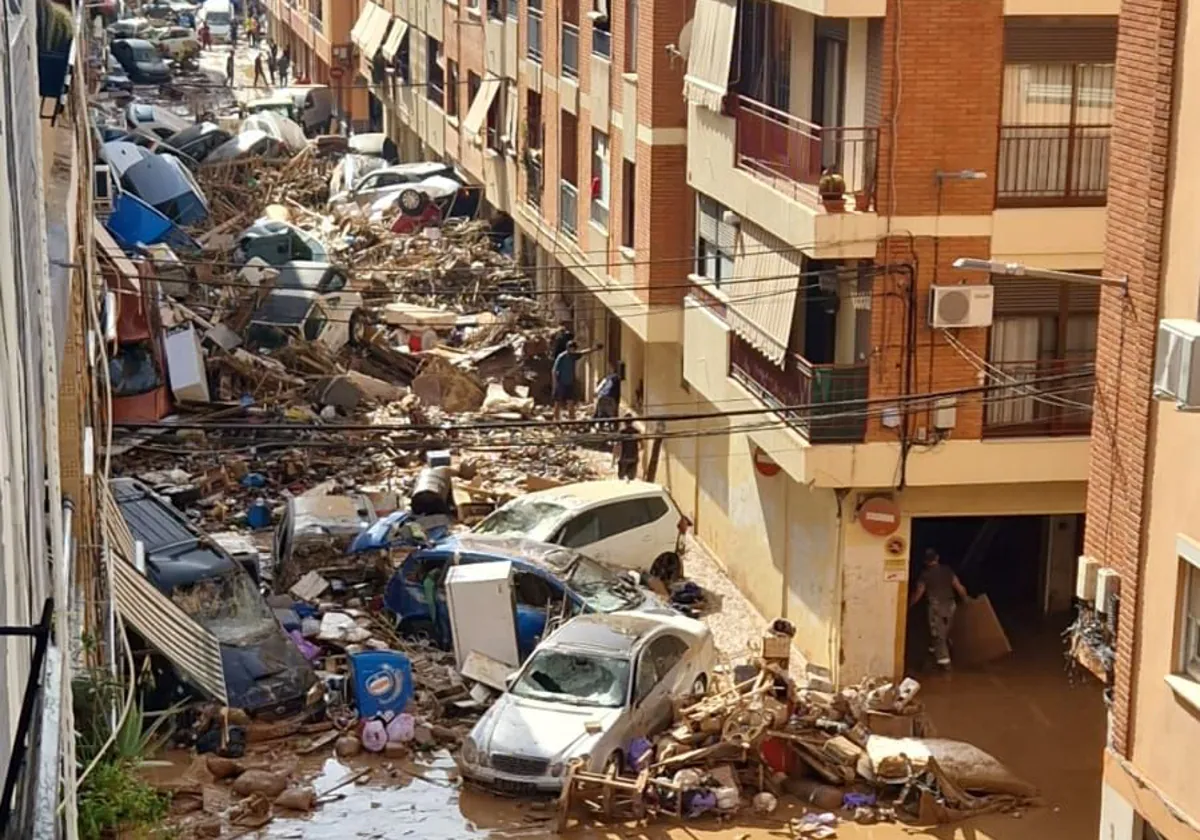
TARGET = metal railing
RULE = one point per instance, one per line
(601, 43)
(801, 383)
(1039, 165)
(533, 34)
(568, 208)
(533, 184)
(599, 213)
(570, 51)
(790, 153)
(1027, 406)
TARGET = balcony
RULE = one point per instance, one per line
(533, 184)
(801, 383)
(568, 208)
(533, 35)
(315, 21)
(601, 43)
(1060, 407)
(570, 51)
(1052, 165)
(790, 153)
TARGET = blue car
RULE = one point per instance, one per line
(548, 580)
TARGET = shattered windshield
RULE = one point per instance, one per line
(535, 519)
(230, 607)
(575, 678)
(602, 589)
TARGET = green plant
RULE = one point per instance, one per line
(114, 799)
(55, 27)
(832, 185)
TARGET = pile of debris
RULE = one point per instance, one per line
(865, 754)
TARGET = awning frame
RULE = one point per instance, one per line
(706, 82)
(375, 33)
(763, 305)
(476, 116)
(394, 39)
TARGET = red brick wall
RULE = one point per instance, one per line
(1136, 200)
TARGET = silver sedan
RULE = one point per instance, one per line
(588, 690)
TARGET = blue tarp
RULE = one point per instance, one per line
(134, 222)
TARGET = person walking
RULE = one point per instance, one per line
(271, 64)
(229, 70)
(939, 584)
(562, 377)
(608, 397)
(205, 36)
(259, 72)
(285, 64)
(627, 451)
(564, 336)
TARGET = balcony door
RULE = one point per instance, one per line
(829, 87)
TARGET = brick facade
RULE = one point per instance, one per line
(1124, 365)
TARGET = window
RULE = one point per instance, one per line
(656, 508)
(619, 517)
(581, 531)
(1041, 329)
(666, 651)
(435, 80)
(497, 9)
(601, 37)
(495, 121)
(451, 88)
(474, 82)
(714, 241)
(532, 590)
(631, 35)
(513, 11)
(1189, 636)
(473, 5)
(533, 31)
(629, 205)
(601, 178)
(404, 62)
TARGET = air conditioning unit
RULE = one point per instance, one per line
(960, 306)
(1087, 573)
(1177, 362)
(1108, 589)
(104, 190)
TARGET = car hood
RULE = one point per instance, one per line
(539, 729)
(268, 676)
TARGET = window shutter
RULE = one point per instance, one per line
(1072, 40)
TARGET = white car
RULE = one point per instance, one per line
(586, 692)
(627, 524)
(389, 180)
(175, 42)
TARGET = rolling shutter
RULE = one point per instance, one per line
(1072, 40)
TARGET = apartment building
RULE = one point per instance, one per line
(318, 33)
(1141, 522)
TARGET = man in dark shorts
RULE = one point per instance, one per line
(940, 584)
(562, 377)
(627, 450)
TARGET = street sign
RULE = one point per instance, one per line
(335, 73)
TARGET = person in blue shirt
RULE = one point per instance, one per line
(608, 397)
(562, 377)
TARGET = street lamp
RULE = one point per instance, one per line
(1022, 270)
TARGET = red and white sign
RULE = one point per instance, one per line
(335, 73)
(764, 465)
(879, 516)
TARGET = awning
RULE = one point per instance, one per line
(762, 298)
(115, 255)
(392, 45)
(180, 638)
(707, 79)
(374, 33)
(360, 26)
(474, 120)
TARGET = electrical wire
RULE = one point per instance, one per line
(991, 370)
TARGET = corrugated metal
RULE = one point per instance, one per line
(188, 645)
(1021, 296)
(762, 301)
(1072, 40)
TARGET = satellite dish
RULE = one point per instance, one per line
(685, 39)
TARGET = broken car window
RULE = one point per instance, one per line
(536, 520)
(577, 679)
(602, 590)
(229, 607)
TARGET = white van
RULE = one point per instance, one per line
(218, 14)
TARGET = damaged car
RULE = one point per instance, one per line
(315, 535)
(590, 689)
(277, 243)
(141, 61)
(429, 203)
(265, 673)
(333, 320)
(197, 141)
(252, 143)
(388, 181)
(550, 583)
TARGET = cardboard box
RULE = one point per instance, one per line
(977, 636)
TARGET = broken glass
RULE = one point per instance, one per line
(577, 679)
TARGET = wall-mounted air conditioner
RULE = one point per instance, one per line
(1108, 589)
(1177, 362)
(104, 191)
(960, 306)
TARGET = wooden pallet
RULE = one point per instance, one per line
(609, 794)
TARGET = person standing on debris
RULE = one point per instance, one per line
(229, 70)
(205, 36)
(608, 397)
(627, 451)
(562, 338)
(940, 584)
(258, 70)
(271, 64)
(562, 376)
(285, 64)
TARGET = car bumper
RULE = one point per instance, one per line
(528, 785)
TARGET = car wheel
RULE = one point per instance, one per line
(667, 567)
(412, 202)
(700, 686)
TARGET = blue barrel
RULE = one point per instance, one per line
(259, 515)
(382, 681)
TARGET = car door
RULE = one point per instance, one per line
(535, 595)
(623, 539)
(335, 331)
(661, 660)
(663, 527)
(581, 532)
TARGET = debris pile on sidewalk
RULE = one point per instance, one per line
(864, 754)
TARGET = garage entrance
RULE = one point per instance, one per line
(1047, 725)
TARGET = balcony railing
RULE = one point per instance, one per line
(570, 51)
(568, 208)
(533, 35)
(1027, 405)
(1040, 165)
(533, 184)
(315, 21)
(790, 153)
(801, 383)
(601, 43)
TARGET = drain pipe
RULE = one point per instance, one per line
(835, 634)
